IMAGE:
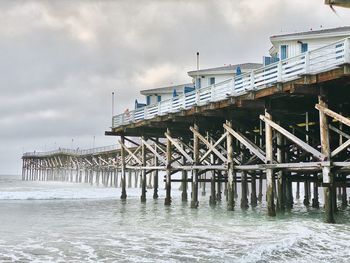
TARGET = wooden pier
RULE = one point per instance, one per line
(269, 135)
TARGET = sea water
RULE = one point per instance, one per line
(68, 222)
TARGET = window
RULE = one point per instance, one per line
(284, 51)
(212, 81)
(148, 99)
(159, 98)
(304, 47)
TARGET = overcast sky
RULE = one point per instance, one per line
(61, 60)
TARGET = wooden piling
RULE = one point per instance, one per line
(269, 171)
(194, 200)
(123, 169)
(280, 175)
(155, 173)
(184, 184)
(143, 172)
(326, 169)
(168, 171)
(230, 175)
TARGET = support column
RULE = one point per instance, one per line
(280, 175)
(269, 171)
(344, 198)
(307, 183)
(231, 174)
(261, 174)
(315, 202)
(253, 197)
(168, 171)
(297, 194)
(156, 173)
(194, 201)
(143, 172)
(123, 169)
(184, 181)
(326, 170)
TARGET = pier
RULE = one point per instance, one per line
(281, 126)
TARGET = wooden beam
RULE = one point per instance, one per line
(340, 148)
(209, 145)
(179, 148)
(247, 143)
(149, 147)
(130, 152)
(214, 146)
(333, 114)
(293, 138)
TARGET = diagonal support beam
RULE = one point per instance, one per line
(247, 143)
(293, 138)
(340, 132)
(136, 151)
(333, 114)
(179, 148)
(340, 148)
(209, 145)
(214, 146)
(149, 147)
(102, 160)
(130, 153)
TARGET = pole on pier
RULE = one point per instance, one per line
(315, 202)
(194, 200)
(184, 184)
(155, 175)
(244, 183)
(143, 172)
(123, 169)
(280, 176)
(261, 146)
(168, 171)
(269, 171)
(326, 170)
(231, 172)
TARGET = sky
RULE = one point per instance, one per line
(60, 61)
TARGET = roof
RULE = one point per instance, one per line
(345, 30)
(168, 89)
(226, 69)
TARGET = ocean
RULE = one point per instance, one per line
(69, 222)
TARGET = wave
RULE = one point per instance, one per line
(60, 194)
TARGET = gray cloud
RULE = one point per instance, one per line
(60, 60)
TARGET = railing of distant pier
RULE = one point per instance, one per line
(311, 62)
(78, 152)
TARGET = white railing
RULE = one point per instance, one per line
(311, 62)
(76, 152)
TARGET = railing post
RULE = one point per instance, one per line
(232, 86)
(184, 101)
(252, 80)
(159, 108)
(347, 50)
(307, 62)
(197, 96)
(172, 105)
(279, 71)
(212, 92)
(145, 112)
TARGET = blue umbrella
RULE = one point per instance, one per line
(238, 71)
(174, 93)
